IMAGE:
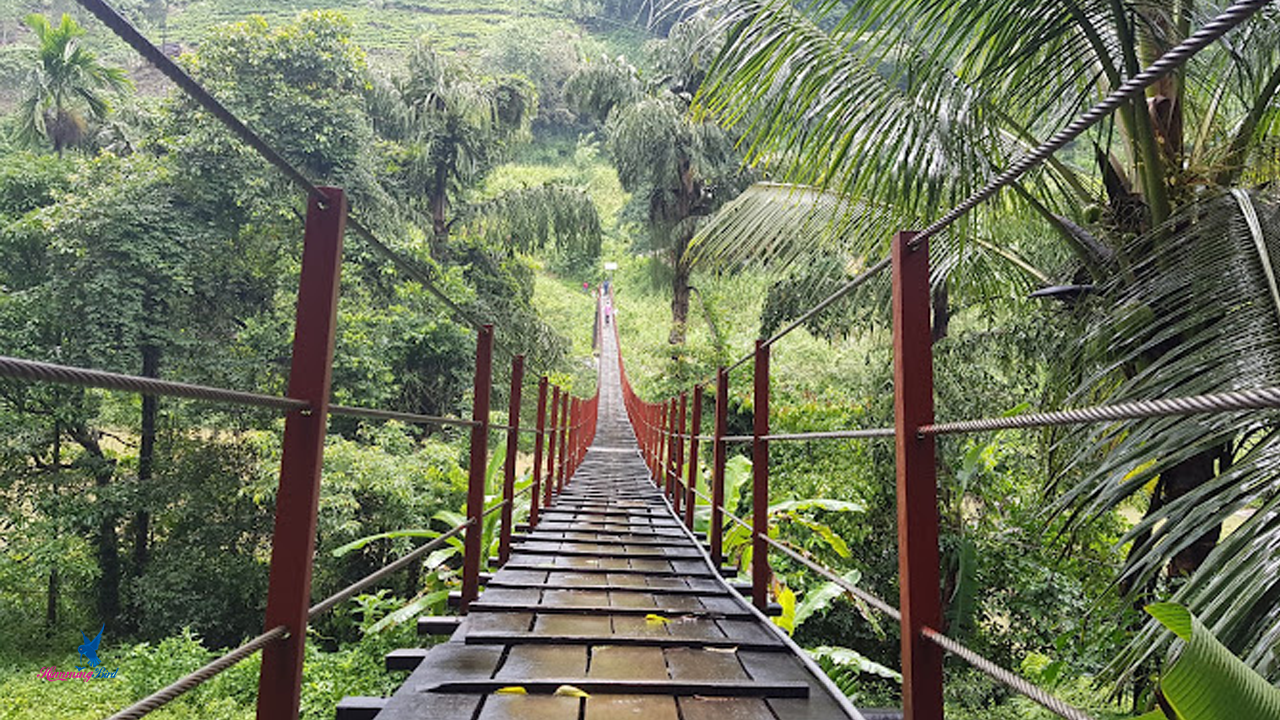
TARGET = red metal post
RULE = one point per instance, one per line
(660, 462)
(535, 495)
(298, 497)
(509, 464)
(575, 417)
(760, 481)
(918, 558)
(472, 542)
(677, 481)
(564, 439)
(552, 434)
(719, 453)
(695, 427)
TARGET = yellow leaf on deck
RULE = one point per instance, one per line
(653, 619)
(511, 690)
(571, 691)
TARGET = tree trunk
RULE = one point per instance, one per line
(679, 303)
(680, 237)
(1178, 481)
(146, 462)
(51, 601)
(941, 313)
(108, 543)
(439, 203)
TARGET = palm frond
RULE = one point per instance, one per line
(1198, 316)
(534, 217)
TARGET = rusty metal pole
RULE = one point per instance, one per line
(695, 427)
(541, 426)
(297, 500)
(478, 463)
(552, 429)
(719, 455)
(760, 481)
(677, 480)
(918, 557)
(509, 464)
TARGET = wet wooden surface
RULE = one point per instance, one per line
(611, 595)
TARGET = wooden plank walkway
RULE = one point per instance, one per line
(611, 595)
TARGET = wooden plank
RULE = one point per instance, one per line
(529, 707)
(499, 622)
(530, 640)
(531, 662)
(723, 708)
(556, 625)
(611, 662)
(626, 707)
(575, 598)
(675, 588)
(665, 686)
(692, 664)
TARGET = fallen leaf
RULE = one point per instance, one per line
(511, 690)
(571, 691)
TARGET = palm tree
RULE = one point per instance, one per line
(66, 82)
(681, 168)
(881, 114)
(451, 127)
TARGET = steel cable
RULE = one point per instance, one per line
(330, 602)
(412, 418)
(162, 697)
(136, 40)
(999, 674)
(1128, 90)
(68, 375)
(1259, 399)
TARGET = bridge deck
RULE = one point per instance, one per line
(611, 595)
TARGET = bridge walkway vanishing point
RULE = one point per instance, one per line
(610, 594)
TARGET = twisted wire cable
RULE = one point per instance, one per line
(1259, 399)
(136, 40)
(829, 574)
(1209, 33)
(68, 375)
(1000, 675)
(412, 418)
(162, 697)
(1128, 90)
(330, 602)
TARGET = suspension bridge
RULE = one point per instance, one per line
(605, 603)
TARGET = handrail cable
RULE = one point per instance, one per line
(1131, 88)
(34, 370)
(1267, 398)
(330, 602)
(135, 39)
(162, 697)
(992, 670)
(167, 694)
(995, 672)
(1128, 90)
(412, 418)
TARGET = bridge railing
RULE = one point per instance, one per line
(663, 435)
(562, 439)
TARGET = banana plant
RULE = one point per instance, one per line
(1207, 681)
(442, 575)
